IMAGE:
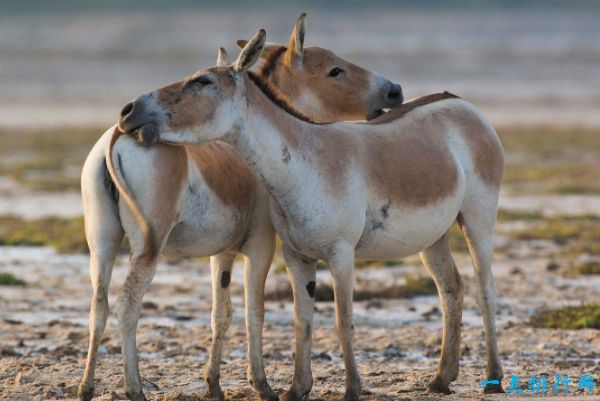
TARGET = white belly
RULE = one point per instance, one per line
(406, 231)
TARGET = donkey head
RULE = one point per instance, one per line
(206, 106)
(322, 85)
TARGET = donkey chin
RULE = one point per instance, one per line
(146, 135)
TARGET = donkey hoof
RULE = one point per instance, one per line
(267, 394)
(293, 396)
(493, 389)
(215, 394)
(137, 396)
(352, 395)
(437, 386)
(262, 388)
(85, 393)
(269, 397)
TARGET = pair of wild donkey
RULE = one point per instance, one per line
(386, 188)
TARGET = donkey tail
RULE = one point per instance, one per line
(147, 233)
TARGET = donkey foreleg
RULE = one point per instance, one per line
(259, 255)
(220, 268)
(341, 265)
(301, 272)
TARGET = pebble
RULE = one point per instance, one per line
(392, 352)
(150, 386)
(323, 356)
(5, 351)
(21, 379)
(552, 266)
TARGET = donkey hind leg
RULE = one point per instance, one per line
(301, 272)
(438, 261)
(141, 273)
(341, 265)
(220, 268)
(478, 226)
(258, 257)
(104, 235)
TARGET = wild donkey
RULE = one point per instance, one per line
(384, 189)
(204, 201)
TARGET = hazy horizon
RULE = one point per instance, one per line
(519, 65)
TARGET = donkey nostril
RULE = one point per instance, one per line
(127, 109)
(394, 93)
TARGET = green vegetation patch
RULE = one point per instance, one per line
(10, 279)
(557, 178)
(505, 216)
(579, 234)
(550, 142)
(587, 268)
(571, 317)
(46, 159)
(546, 159)
(457, 238)
(414, 286)
(64, 234)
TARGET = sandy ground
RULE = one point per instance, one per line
(43, 333)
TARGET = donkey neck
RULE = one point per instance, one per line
(275, 144)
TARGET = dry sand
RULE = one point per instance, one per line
(43, 333)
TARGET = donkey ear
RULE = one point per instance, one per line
(223, 58)
(251, 52)
(294, 54)
(269, 48)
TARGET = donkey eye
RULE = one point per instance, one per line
(202, 80)
(335, 72)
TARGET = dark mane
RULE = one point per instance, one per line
(269, 64)
(278, 98)
(404, 109)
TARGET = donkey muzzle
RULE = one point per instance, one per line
(135, 120)
(393, 95)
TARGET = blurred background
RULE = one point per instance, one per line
(73, 63)
(533, 67)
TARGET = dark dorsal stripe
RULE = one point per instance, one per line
(402, 110)
(269, 64)
(278, 98)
